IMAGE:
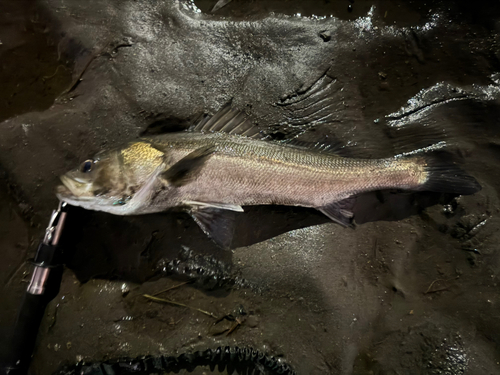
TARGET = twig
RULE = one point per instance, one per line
(156, 299)
(430, 286)
(79, 78)
(438, 290)
(233, 328)
(44, 78)
(172, 287)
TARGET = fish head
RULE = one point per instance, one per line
(113, 181)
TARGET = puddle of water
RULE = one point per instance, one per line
(390, 12)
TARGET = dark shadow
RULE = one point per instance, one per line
(138, 248)
(162, 124)
(270, 221)
(391, 205)
(106, 246)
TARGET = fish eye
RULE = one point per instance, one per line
(86, 166)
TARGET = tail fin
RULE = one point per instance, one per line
(446, 177)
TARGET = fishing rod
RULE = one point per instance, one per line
(43, 287)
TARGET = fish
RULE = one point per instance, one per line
(224, 162)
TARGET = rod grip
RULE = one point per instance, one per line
(25, 333)
(25, 330)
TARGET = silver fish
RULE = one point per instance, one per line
(221, 165)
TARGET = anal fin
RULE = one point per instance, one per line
(340, 211)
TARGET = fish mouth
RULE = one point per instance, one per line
(63, 192)
(69, 190)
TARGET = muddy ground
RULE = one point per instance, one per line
(413, 289)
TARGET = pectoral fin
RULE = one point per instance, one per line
(340, 211)
(185, 170)
(217, 223)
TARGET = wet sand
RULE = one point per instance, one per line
(413, 289)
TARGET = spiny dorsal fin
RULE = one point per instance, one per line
(228, 120)
(186, 169)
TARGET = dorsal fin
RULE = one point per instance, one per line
(228, 120)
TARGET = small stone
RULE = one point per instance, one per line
(344, 280)
(382, 75)
(241, 310)
(325, 35)
(384, 86)
(68, 345)
(125, 289)
(448, 209)
(253, 321)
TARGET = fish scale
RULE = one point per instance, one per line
(256, 172)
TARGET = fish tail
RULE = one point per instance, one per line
(444, 176)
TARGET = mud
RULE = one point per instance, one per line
(412, 290)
